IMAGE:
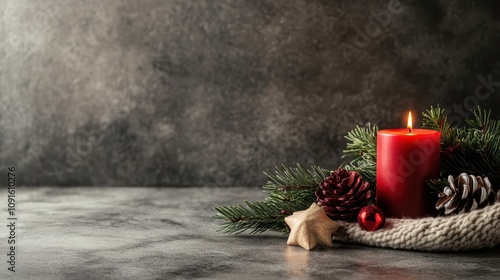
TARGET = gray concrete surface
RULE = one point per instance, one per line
(186, 92)
(168, 233)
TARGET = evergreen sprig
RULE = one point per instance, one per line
(362, 148)
(473, 148)
(289, 190)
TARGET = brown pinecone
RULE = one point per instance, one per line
(465, 193)
(343, 194)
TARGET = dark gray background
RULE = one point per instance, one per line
(214, 92)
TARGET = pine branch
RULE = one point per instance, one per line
(257, 216)
(363, 143)
(473, 148)
(289, 190)
(362, 148)
(435, 119)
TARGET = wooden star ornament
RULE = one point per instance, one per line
(311, 227)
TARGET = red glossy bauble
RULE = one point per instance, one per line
(371, 218)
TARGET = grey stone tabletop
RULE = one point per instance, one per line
(168, 233)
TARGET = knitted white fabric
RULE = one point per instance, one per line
(468, 231)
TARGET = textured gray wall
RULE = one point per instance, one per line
(213, 92)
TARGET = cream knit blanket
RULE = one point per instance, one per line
(468, 231)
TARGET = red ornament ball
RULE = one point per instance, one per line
(371, 218)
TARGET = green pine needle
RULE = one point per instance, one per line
(362, 149)
(289, 190)
(473, 148)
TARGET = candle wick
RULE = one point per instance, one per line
(409, 128)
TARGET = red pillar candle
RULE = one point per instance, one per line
(406, 158)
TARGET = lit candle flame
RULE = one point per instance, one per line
(409, 122)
